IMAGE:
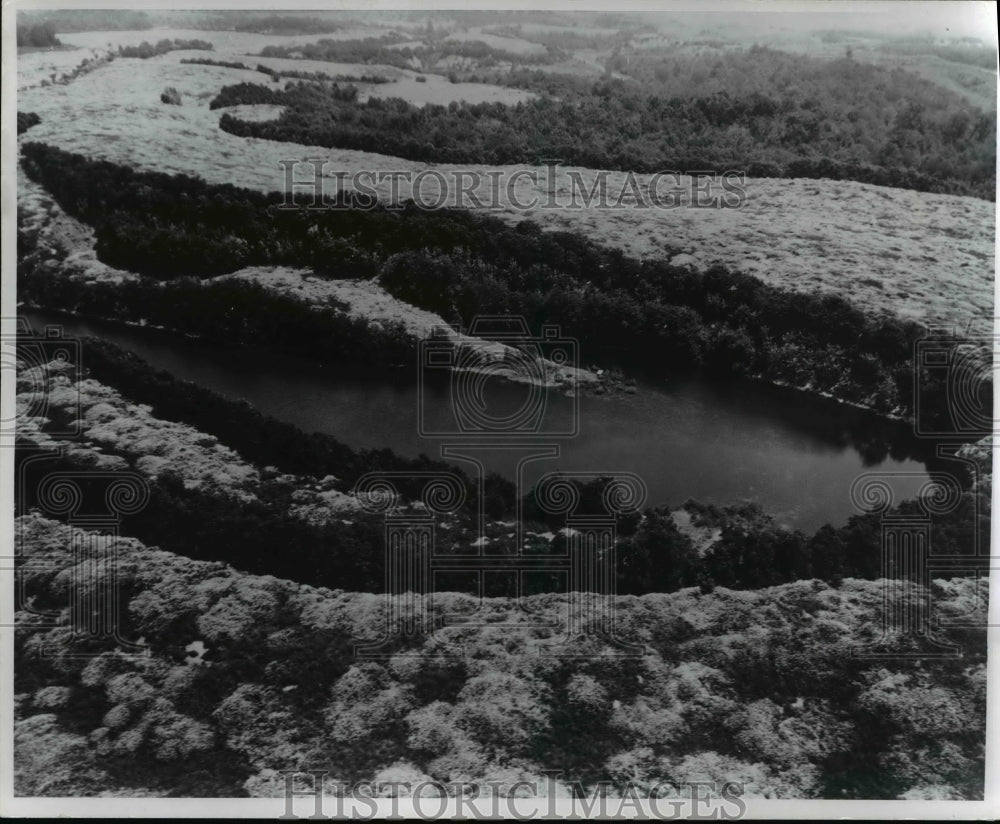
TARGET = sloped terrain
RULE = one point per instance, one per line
(754, 687)
(923, 256)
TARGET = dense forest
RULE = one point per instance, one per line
(283, 24)
(642, 315)
(37, 35)
(761, 688)
(231, 312)
(761, 111)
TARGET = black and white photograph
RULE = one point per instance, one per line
(499, 410)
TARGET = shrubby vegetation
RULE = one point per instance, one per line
(761, 688)
(259, 536)
(37, 35)
(208, 61)
(192, 516)
(85, 66)
(761, 111)
(231, 312)
(146, 50)
(276, 75)
(25, 120)
(254, 93)
(293, 74)
(645, 315)
(167, 226)
(385, 51)
(247, 94)
(653, 317)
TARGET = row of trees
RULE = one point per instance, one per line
(146, 50)
(765, 112)
(279, 24)
(276, 75)
(208, 61)
(639, 314)
(254, 93)
(652, 318)
(387, 50)
(231, 312)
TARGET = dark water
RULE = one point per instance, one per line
(794, 455)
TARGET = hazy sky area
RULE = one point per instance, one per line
(943, 19)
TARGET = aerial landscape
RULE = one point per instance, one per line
(551, 402)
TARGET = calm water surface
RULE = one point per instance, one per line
(794, 455)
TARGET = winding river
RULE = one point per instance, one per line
(795, 455)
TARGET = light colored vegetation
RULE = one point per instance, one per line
(117, 434)
(753, 687)
(923, 256)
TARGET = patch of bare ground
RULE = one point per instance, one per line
(703, 537)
